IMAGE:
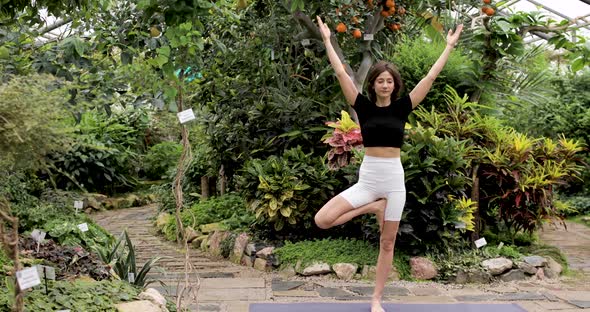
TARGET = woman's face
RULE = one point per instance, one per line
(384, 84)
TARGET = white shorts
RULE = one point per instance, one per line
(379, 177)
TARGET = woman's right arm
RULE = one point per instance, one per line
(346, 83)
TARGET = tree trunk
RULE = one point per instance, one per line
(204, 187)
(181, 167)
(222, 181)
(475, 198)
(10, 244)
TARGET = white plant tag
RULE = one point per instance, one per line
(305, 42)
(500, 245)
(63, 310)
(186, 115)
(28, 278)
(38, 235)
(272, 55)
(131, 278)
(78, 204)
(480, 242)
(49, 272)
(368, 37)
(460, 225)
(83, 227)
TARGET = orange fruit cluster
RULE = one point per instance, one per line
(486, 9)
(388, 9)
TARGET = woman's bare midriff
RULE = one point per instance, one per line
(386, 152)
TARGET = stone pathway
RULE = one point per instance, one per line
(226, 287)
(574, 242)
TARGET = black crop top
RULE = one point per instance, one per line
(382, 126)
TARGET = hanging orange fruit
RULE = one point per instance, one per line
(357, 34)
(487, 1)
(341, 27)
(384, 13)
(389, 3)
(355, 20)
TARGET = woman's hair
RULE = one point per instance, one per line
(375, 71)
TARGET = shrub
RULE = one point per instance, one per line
(160, 158)
(31, 111)
(279, 189)
(80, 295)
(330, 251)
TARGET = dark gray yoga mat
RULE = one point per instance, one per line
(393, 307)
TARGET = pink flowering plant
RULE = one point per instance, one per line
(344, 139)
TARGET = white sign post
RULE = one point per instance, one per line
(368, 37)
(131, 277)
(186, 116)
(28, 278)
(78, 205)
(83, 227)
(480, 242)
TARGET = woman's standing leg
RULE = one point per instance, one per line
(384, 262)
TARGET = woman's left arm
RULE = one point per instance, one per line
(419, 92)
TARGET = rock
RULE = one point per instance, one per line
(345, 271)
(153, 296)
(205, 244)
(265, 252)
(393, 274)
(476, 276)
(317, 269)
(287, 272)
(527, 268)
(239, 247)
(190, 234)
(553, 269)
(513, 275)
(260, 264)
(199, 240)
(212, 227)
(536, 261)
(273, 260)
(134, 306)
(422, 268)
(369, 272)
(540, 275)
(247, 261)
(215, 242)
(497, 266)
(162, 219)
(93, 203)
(132, 200)
(251, 249)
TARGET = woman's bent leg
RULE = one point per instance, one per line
(338, 211)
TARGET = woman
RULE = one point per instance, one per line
(382, 117)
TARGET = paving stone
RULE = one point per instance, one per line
(233, 283)
(422, 299)
(218, 295)
(430, 291)
(387, 291)
(295, 293)
(580, 303)
(353, 298)
(476, 298)
(556, 305)
(280, 285)
(333, 292)
(520, 297)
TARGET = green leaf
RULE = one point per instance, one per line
(578, 64)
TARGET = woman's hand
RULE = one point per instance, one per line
(453, 36)
(324, 30)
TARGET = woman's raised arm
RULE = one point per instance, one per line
(346, 83)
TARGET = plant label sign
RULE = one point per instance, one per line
(83, 227)
(305, 42)
(28, 278)
(78, 204)
(49, 273)
(38, 235)
(131, 278)
(460, 225)
(186, 115)
(368, 37)
(480, 242)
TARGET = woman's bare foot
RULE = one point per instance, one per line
(376, 306)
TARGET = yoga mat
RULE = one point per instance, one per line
(389, 307)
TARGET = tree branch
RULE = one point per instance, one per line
(53, 26)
